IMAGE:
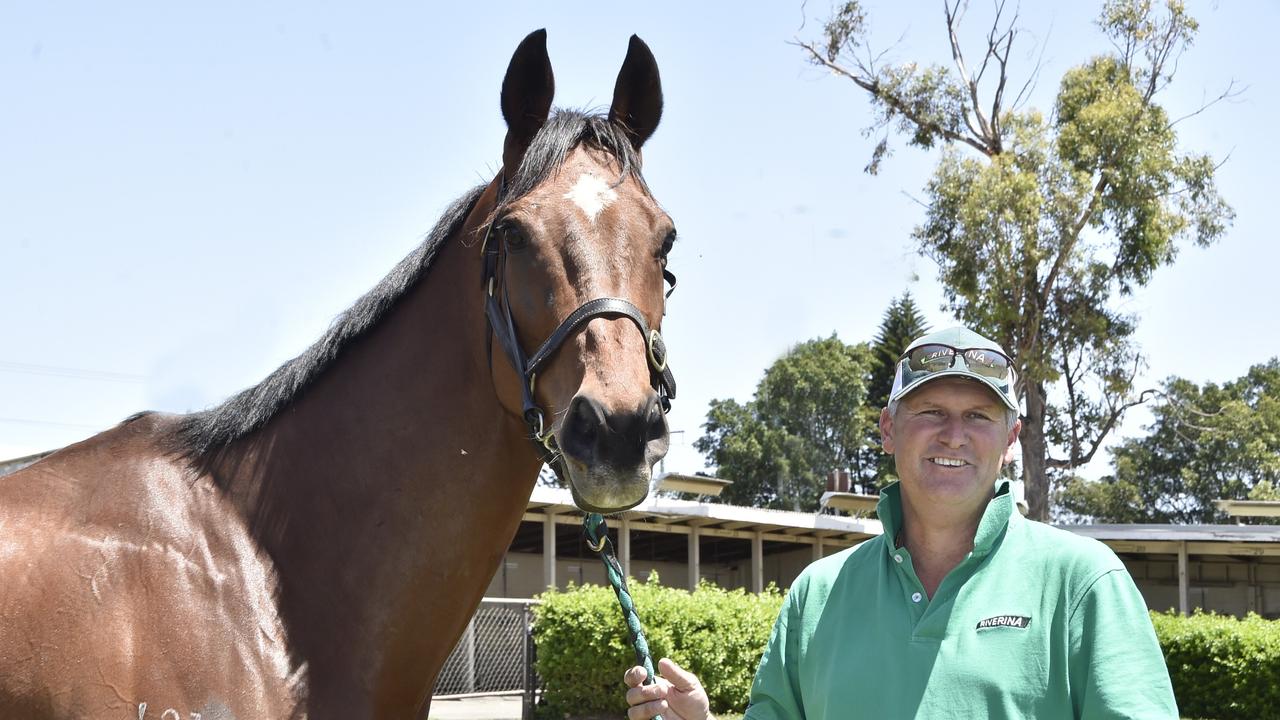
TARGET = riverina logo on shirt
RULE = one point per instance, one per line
(1013, 621)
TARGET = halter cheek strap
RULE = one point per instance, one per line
(498, 314)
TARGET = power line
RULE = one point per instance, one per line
(25, 421)
(77, 373)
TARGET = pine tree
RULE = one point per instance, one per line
(902, 323)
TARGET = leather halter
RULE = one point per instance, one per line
(498, 313)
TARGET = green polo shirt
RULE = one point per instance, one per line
(1035, 623)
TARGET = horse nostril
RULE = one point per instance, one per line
(582, 429)
(655, 422)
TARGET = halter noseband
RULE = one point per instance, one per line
(498, 314)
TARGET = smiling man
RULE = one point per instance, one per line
(962, 608)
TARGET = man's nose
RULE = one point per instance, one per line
(954, 433)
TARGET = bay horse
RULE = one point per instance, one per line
(314, 546)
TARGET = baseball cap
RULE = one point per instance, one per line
(956, 352)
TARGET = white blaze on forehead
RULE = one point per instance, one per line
(591, 194)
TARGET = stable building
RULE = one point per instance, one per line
(1229, 569)
(682, 541)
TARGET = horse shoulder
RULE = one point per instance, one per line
(131, 582)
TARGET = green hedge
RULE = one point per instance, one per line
(1222, 668)
(583, 646)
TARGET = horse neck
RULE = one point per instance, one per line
(388, 493)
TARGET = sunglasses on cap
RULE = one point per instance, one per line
(936, 357)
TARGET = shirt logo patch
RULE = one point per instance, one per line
(1014, 621)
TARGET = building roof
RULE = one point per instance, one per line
(1180, 533)
(665, 524)
(670, 515)
(1233, 540)
(718, 516)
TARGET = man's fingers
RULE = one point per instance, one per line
(679, 677)
(645, 693)
(634, 676)
(647, 710)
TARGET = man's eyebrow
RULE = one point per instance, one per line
(993, 407)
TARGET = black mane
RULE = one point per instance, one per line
(208, 431)
(564, 131)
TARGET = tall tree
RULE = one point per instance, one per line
(808, 417)
(1205, 443)
(1039, 224)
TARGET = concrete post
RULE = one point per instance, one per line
(1182, 578)
(549, 550)
(695, 558)
(757, 563)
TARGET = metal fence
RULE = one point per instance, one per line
(495, 653)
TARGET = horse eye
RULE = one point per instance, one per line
(667, 243)
(512, 235)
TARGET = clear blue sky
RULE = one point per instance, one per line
(190, 194)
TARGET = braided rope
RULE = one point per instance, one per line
(598, 540)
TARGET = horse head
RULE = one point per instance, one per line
(576, 250)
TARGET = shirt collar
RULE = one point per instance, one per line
(998, 515)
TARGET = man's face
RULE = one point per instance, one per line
(949, 440)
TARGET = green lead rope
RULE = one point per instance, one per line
(598, 540)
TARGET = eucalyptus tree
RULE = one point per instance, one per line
(1040, 223)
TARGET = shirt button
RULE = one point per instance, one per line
(898, 558)
(915, 597)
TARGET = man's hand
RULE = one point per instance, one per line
(677, 695)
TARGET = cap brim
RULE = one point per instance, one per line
(957, 372)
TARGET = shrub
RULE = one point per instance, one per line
(1222, 667)
(583, 647)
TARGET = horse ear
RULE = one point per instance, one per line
(527, 90)
(637, 95)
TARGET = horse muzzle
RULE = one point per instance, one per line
(610, 456)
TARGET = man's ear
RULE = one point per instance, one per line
(886, 430)
(1009, 452)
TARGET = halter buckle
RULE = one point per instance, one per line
(655, 338)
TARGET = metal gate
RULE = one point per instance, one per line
(494, 655)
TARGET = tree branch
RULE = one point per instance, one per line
(1072, 400)
(872, 86)
(1029, 86)
(1112, 417)
(953, 20)
(994, 50)
(1228, 94)
(1115, 412)
(1065, 252)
